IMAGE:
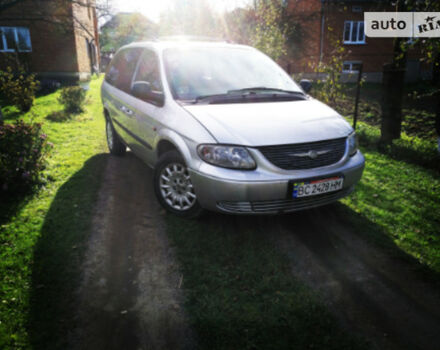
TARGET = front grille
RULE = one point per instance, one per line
(283, 205)
(294, 156)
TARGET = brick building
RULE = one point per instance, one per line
(56, 39)
(322, 22)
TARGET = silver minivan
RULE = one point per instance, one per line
(226, 129)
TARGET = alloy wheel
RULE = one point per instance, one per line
(176, 187)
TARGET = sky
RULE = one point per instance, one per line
(153, 8)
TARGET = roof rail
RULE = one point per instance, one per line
(190, 38)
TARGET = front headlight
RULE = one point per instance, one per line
(234, 157)
(352, 144)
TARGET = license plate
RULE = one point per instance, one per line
(313, 188)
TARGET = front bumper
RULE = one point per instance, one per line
(268, 193)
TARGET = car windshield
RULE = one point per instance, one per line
(196, 72)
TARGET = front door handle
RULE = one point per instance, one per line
(127, 111)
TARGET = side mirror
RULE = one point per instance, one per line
(142, 90)
(306, 85)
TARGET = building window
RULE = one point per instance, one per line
(15, 38)
(351, 66)
(354, 32)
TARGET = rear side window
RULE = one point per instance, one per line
(148, 71)
(121, 69)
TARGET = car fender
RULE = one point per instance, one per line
(181, 144)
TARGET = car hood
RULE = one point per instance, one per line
(273, 123)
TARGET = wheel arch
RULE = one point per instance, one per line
(169, 140)
(164, 146)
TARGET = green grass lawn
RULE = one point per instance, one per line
(400, 195)
(40, 242)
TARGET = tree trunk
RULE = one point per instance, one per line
(392, 96)
(436, 71)
(1, 116)
(393, 84)
(437, 118)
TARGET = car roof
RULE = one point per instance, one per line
(161, 45)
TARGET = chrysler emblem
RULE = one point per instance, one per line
(311, 154)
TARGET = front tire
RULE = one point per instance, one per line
(114, 143)
(173, 187)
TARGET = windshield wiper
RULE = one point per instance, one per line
(208, 97)
(264, 89)
(242, 95)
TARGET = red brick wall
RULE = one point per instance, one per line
(53, 48)
(56, 49)
(306, 49)
(309, 14)
(86, 30)
(374, 53)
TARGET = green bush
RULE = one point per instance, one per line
(18, 87)
(330, 88)
(73, 99)
(23, 149)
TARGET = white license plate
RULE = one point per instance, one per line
(313, 188)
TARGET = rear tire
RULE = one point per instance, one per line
(173, 186)
(114, 143)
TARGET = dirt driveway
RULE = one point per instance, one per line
(131, 297)
(370, 292)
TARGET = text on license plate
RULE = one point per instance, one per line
(312, 188)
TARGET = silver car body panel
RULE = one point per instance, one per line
(246, 124)
(214, 189)
(271, 123)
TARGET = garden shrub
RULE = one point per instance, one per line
(408, 148)
(330, 88)
(18, 87)
(73, 99)
(23, 150)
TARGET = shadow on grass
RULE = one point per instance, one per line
(11, 113)
(381, 294)
(359, 225)
(58, 255)
(11, 203)
(58, 116)
(240, 293)
(240, 290)
(12, 200)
